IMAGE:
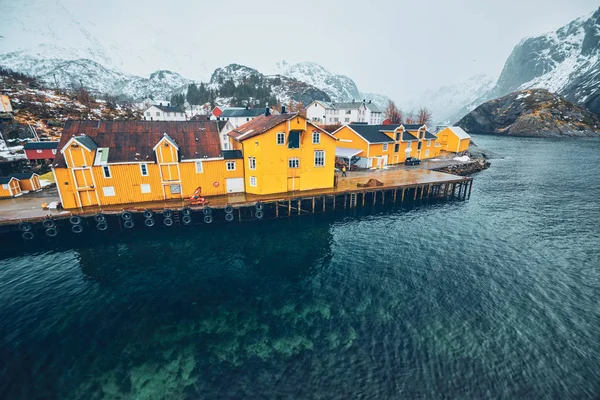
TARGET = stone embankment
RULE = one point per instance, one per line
(466, 168)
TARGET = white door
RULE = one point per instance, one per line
(234, 185)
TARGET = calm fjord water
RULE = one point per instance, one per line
(496, 297)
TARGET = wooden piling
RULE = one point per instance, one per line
(289, 207)
(395, 191)
(470, 188)
(277, 210)
(313, 205)
(299, 204)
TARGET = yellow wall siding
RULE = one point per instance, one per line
(12, 184)
(357, 142)
(127, 180)
(451, 143)
(77, 156)
(272, 173)
(166, 152)
(30, 184)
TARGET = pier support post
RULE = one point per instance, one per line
(445, 190)
(395, 191)
(299, 204)
(324, 198)
(345, 198)
(415, 196)
(382, 197)
(289, 207)
(470, 188)
(363, 199)
(402, 198)
(374, 197)
(453, 189)
(334, 202)
(277, 210)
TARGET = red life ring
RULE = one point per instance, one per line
(216, 184)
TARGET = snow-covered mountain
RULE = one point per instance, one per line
(283, 88)
(340, 88)
(445, 102)
(565, 61)
(69, 74)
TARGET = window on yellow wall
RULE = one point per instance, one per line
(293, 162)
(106, 170)
(109, 191)
(428, 143)
(316, 138)
(230, 165)
(252, 181)
(319, 158)
(396, 147)
(145, 188)
(144, 169)
(384, 147)
(427, 153)
(199, 167)
(280, 137)
(252, 162)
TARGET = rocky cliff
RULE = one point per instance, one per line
(535, 112)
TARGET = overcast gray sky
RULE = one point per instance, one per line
(386, 46)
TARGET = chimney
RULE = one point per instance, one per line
(283, 109)
(267, 111)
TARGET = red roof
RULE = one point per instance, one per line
(259, 125)
(128, 140)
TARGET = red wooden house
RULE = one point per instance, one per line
(40, 150)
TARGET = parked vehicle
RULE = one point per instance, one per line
(412, 161)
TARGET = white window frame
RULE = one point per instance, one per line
(252, 163)
(145, 188)
(158, 113)
(253, 181)
(230, 165)
(384, 147)
(109, 191)
(53, 151)
(294, 162)
(280, 135)
(408, 145)
(199, 167)
(142, 167)
(316, 135)
(427, 153)
(322, 158)
(106, 168)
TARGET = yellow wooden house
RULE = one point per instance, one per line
(9, 186)
(376, 146)
(285, 153)
(123, 162)
(28, 181)
(454, 139)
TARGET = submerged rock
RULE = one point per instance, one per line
(535, 113)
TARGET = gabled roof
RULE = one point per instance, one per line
(6, 179)
(407, 137)
(348, 106)
(459, 132)
(26, 175)
(430, 136)
(40, 145)
(325, 104)
(168, 108)
(412, 127)
(131, 141)
(373, 133)
(259, 125)
(244, 112)
(85, 141)
(373, 107)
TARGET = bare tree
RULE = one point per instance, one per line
(423, 116)
(393, 113)
(409, 118)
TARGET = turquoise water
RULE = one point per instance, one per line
(495, 297)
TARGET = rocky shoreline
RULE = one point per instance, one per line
(467, 168)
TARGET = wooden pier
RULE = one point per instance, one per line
(400, 187)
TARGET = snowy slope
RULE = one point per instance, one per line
(340, 88)
(448, 101)
(565, 61)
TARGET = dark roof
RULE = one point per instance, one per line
(125, 139)
(259, 125)
(373, 133)
(27, 175)
(407, 137)
(412, 127)
(40, 145)
(5, 179)
(85, 141)
(250, 112)
(232, 154)
(169, 109)
(429, 136)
